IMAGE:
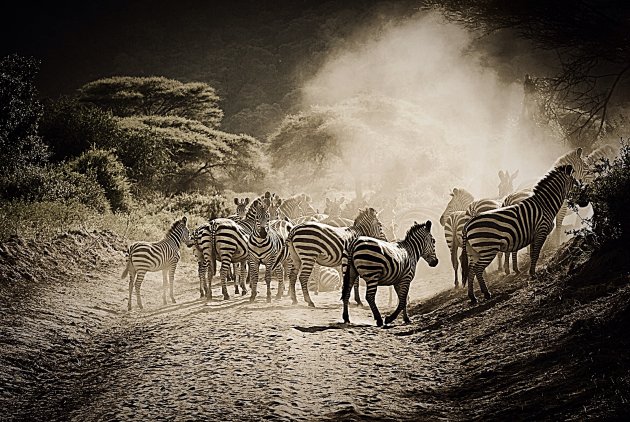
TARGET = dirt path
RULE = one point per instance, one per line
(73, 351)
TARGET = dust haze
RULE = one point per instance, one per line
(419, 112)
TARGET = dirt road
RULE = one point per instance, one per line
(73, 351)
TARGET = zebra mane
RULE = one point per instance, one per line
(569, 158)
(416, 227)
(176, 225)
(566, 169)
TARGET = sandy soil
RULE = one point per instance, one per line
(70, 349)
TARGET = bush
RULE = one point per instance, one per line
(54, 184)
(609, 194)
(109, 173)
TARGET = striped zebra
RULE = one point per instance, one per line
(460, 200)
(227, 240)
(296, 206)
(513, 199)
(241, 209)
(143, 257)
(512, 228)
(265, 246)
(453, 233)
(382, 263)
(318, 243)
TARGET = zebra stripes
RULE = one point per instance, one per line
(453, 234)
(512, 228)
(227, 240)
(312, 243)
(382, 263)
(265, 245)
(460, 200)
(143, 257)
(513, 199)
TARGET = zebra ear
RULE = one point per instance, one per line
(454, 191)
(246, 201)
(184, 220)
(237, 201)
(578, 152)
(514, 175)
(267, 194)
(428, 225)
(501, 176)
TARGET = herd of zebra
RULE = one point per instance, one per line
(293, 241)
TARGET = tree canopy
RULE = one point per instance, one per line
(126, 96)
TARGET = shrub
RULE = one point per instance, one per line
(609, 194)
(109, 173)
(54, 184)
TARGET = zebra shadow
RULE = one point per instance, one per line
(331, 326)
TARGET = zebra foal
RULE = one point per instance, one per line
(382, 263)
(143, 257)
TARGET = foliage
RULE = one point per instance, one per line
(189, 156)
(207, 206)
(155, 96)
(20, 112)
(71, 128)
(109, 173)
(55, 184)
(609, 194)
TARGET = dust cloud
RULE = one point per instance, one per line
(418, 111)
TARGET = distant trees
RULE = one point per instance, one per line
(154, 96)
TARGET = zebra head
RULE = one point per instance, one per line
(422, 242)
(581, 170)
(179, 232)
(260, 208)
(333, 207)
(274, 205)
(368, 224)
(506, 185)
(460, 199)
(241, 206)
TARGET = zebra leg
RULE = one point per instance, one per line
(454, 262)
(236, 265)
(171, 280)
(304, 274)
(280, 271)
(268, 280)
(243, 276)
(500, 256)
(132, 275)
(225, 268)
(482, 282)
(345, 292)
(390, 299)
(506, 262)
(253, 274)
(357, 297)
(317, 278)
(470, 279)
(293, 274)
(164, 285)
(370, 297)
(137, 285)
(514, 263)
(537, 244)
(402, 303)
(201, 272)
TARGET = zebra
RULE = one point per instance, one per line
(506, 185)
(513, 199)
(296, 206)
(453, 233)
(460, 200)
(382, 263)
(226, 239)
(317, 243)
(202, 265)
(265, 245)
(143, 257)
(512, 228)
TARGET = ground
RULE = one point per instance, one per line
(71, 350)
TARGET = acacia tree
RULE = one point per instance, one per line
(126, 96)
(592, 44)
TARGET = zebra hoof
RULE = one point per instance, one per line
(173, 300)
(244, 292)
(379, 322)
(388, 320)
(473, 300)
(226, 296)
(129, 308)
(311, 305)
(487, 295)
(268, 299)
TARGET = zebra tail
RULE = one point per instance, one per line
(279, 257)
(464, 260)
(213, 250)
(347, 265)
